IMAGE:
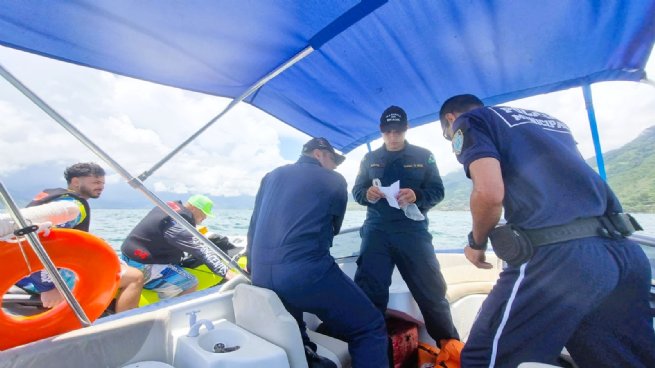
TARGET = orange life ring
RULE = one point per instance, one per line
(97, 274)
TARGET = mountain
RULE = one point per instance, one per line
(458, 191)
(630, 171)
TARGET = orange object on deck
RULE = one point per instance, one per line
(95, 265)
(448, 356)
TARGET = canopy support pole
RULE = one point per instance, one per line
(301, 55)
(43, 256)
(344, 21)
(589, 103)
(132, 181)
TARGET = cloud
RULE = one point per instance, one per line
(138, 123)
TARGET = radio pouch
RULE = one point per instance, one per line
(511, 245)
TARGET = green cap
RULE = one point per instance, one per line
(202, 203)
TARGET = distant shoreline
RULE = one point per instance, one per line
(355, 207)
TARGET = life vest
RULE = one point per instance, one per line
(146, 243)
(448, 356)
(49, 195)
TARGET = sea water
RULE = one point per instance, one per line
(449, 229)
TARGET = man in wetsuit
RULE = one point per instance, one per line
(573, 278)
(85, 180)
(298, 210)
(158, 244)
(391, 238)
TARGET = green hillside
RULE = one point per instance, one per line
(458, 190)
(631, 172)
(630, 169)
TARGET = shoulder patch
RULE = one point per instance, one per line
(431, 159)
(458, 141)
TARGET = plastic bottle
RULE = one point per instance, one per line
(412, 212)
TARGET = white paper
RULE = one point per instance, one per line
(390, 193)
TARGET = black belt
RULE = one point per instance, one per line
(614, 226)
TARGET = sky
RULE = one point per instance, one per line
(138, 123)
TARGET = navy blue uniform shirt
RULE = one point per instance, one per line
(537, 155)
(416, 169)
(298, 210)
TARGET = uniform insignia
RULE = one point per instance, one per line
(458, 141)
(376, 165)
(431, 159)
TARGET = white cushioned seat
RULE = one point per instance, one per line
(261, 312)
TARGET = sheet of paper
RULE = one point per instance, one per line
(390, 193)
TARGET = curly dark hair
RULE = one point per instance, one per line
(83, 169)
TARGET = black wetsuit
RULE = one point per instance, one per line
(158, 239)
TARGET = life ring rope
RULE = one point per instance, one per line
(97, 272)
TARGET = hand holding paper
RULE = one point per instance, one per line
(390, 193)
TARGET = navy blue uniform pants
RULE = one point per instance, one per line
(413, 254)
(590, 295)
(323, 289)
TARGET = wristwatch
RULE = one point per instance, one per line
(474, 245)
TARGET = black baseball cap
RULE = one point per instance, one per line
(393, 118)
(322, 144)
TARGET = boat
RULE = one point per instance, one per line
(327, 69)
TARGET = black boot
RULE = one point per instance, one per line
(316, 361)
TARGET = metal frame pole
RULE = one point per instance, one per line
(134, 182)
(299, 56)
(338, 25)
(589, 103)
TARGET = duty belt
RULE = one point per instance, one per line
(618, 225)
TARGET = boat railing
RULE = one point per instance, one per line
(340, 242)
(349, 230)
(644, 240)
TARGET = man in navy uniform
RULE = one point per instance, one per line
(298, 210)
(389, 237)
(573, 278)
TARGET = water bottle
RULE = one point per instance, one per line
(412, 212)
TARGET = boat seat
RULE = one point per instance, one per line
(468, 286)
(465, 279)
(261, 312)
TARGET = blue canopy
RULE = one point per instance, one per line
(368, 55)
